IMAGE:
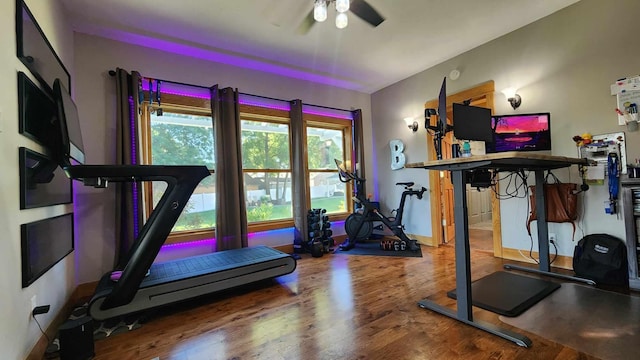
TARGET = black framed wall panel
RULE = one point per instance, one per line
(35, 50)
(37, 111)
(44, 244)
(42, 181)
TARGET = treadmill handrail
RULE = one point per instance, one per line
(181, 183)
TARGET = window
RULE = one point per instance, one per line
(328, 139)
(179, 135)
(182, 134)
(266, 165)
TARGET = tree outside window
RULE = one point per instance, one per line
(185, 139)
(267, 169)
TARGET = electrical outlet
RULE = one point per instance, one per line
(34, 302)
(552, 238)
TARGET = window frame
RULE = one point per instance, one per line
(264, 114)
(174, 104)
(331, 123)
(202, 107)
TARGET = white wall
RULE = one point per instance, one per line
(19, 331)
(95, 56)
(563, 64)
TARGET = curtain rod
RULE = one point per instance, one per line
(113, 73)
(318, 106)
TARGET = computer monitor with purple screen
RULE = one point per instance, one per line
(520, 132)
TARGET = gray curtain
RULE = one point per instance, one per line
(128, 195)
(299, 177)
(358, 145)
(231, 219)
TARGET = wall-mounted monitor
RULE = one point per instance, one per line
(35, 50)
(42, 181)
(44, 243)
(520, 132)
(69, 123)
(37, 111)
(472, 123)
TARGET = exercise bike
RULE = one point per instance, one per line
(359, 225)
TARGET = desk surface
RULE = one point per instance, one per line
(502, 161)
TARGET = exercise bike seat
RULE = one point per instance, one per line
(407, 184)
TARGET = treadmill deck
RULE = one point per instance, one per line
(187, 278)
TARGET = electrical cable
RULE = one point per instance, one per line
(40, 327)
(556, 252)
(512, 188)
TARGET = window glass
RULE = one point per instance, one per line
(185, 139)
(267, 170)
(182, 139)
(268, 196)
(326, 191)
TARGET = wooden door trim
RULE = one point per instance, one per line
(485, 90)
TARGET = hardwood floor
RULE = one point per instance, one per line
(334, 307)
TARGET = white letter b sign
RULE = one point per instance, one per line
(397, 157)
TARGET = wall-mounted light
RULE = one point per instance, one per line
(514, 99)
(411, 123)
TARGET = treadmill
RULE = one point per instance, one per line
(171, 281)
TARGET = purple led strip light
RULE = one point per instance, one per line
(132, 124)
(189, 244)
(326, 114)
(263, 105)
(255, 101)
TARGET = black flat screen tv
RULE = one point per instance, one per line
(69, 123)
(44, 243)
(472, 123)
(520, 132)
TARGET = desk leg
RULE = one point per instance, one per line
(464, 302)
(543, 228)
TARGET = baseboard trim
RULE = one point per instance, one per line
(287, 249)
(423, 240)
(81, 293)
(561, 262)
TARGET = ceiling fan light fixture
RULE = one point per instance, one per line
(342, 5)
(342, 20)
(320, 10)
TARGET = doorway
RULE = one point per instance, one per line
(442, 220)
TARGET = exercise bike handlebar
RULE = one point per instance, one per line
(418, 193)
(344, 175)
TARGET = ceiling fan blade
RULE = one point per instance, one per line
(366, 12)
(306, 24)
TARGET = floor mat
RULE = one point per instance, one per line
(508, 294)
(373, 248)
(601, 323)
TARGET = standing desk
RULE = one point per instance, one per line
(508, 161)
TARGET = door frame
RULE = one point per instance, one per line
(483, 91)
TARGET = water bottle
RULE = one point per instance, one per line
(466, 149)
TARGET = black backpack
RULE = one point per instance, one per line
(603, 259)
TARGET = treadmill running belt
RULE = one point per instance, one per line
(205, 264)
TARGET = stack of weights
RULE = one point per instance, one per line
(320, 240)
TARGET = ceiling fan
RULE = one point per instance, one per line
(360, 8)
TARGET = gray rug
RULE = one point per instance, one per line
(373, 248)
(597, 322)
